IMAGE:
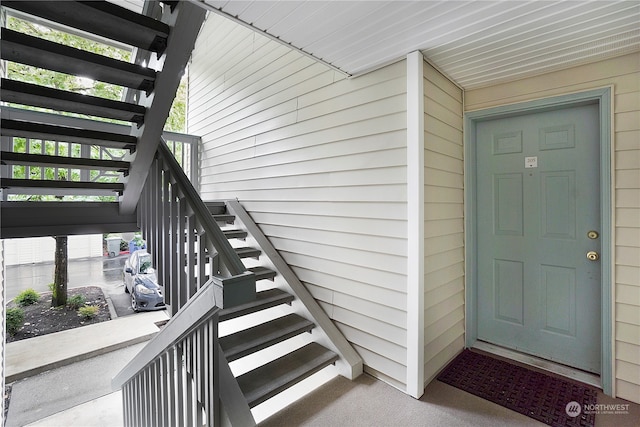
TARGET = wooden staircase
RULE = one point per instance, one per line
(275, 327)
(243, 327)
(150, 93)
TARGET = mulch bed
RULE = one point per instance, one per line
(41, 319)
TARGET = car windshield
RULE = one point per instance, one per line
(145, 263)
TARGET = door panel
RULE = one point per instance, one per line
(537, 198)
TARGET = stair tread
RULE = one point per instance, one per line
(58, 184)
(9, 157)
(256, 338)
(101, 18)
(216, 208)
(268, 380)
(235, 234)
(264, 299)
(247, 252)
(37, 52)
(25, 129)
(226, 218)
(263, 273)
(46, 97)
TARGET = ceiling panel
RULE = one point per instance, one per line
(476, 43)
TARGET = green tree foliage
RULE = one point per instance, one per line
(29, 74)
(176, 121)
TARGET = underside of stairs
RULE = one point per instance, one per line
(59, 145)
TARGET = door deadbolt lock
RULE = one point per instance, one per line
(593, 234)
(593, 256)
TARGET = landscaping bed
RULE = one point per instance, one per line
(41, 319)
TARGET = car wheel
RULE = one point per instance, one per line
(134, 303)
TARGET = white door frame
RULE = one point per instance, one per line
(603, 98)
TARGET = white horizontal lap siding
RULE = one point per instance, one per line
(444, 228)
(319, 162)
(623, 73)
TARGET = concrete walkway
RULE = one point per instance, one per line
(56, 372)
(32, 356)
(105, 411)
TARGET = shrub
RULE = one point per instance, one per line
(75, 302)
(52, 286)
(27, 297)
(88, 311)
(15, 319)
(138, 241)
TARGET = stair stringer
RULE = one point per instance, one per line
(350, 364)
(185, 22)
(234, 408)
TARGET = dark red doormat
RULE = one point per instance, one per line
(542, 397)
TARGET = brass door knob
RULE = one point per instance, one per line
(593, 256)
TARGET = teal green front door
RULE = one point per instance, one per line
(538, 234)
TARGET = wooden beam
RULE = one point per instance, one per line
(38, 219)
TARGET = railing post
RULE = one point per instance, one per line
(190, 251)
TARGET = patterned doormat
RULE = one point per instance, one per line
(548, 399)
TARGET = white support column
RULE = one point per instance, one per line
(415, 224)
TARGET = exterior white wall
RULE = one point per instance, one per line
(444, 222)
(319, 161)
(42, 249)
(623, 74)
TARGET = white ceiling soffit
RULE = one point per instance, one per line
(476, 43)
(133, 5)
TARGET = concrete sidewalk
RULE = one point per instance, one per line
(32, 356)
